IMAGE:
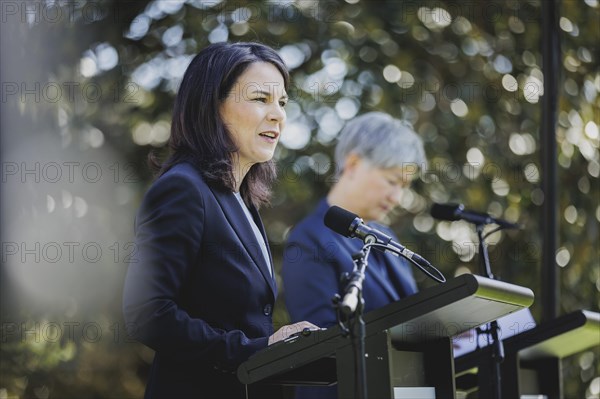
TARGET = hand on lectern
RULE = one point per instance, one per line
(290, 329)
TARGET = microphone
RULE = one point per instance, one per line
(454, 212)
(350, 225)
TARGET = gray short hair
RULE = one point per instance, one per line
(381, 140)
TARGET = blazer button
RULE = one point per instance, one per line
(268, 309)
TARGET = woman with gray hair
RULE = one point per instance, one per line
(377, 156)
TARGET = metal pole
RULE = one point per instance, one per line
(550, 67)
(492, 328)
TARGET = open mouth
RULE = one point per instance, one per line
(269, 135)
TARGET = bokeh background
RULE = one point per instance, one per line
(87, 90)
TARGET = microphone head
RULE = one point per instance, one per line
(447, 211)
(340, 220)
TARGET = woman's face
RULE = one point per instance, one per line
(254, 113)
(378, 190)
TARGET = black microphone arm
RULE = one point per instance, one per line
(454, 212)
(350, 225)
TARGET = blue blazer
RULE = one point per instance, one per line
(198, 291)
(314, 259)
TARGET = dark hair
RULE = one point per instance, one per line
(199, 136)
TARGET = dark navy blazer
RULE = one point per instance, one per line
(198, 291)
(314, 259)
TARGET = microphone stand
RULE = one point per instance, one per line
(352, 306)
(492, 328)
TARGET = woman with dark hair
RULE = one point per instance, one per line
(201, 288)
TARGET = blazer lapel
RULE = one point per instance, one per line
(270, 277)
(382, 273)
(240, 224)
(374, 271)
(354, 245)
(399, 271)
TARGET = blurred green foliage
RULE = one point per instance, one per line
(88, 86)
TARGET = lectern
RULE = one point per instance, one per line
(408, 343)
(532, 362)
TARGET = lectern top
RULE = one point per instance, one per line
(444, 310)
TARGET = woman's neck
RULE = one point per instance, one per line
(342, 195)
(239, 173)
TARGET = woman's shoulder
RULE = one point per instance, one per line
(182, 179)
(181, 187)
(182, 174)
(182, 170)
(312, 226)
